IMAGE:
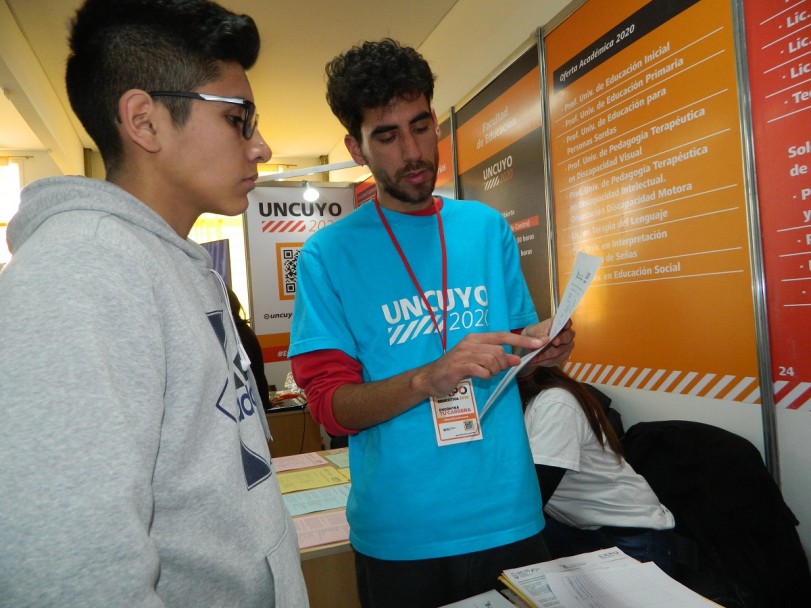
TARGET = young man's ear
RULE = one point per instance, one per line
(137, 116)
(353, 146)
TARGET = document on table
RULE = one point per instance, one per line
(585, 267)
(308, 479)
(321, 529)
(297, 461)
(636, 586)
(312, 501)
(530, 582)
(339, 457)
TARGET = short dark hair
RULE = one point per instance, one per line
(372, 75)
(170, 45)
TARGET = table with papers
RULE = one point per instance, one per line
(602, 579)
(315, 487)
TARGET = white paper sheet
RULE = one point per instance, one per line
(532, 580)
(637, 586)
(585, 267)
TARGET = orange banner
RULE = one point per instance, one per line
(647, 172)
(502, 123)
(444, 174)
(274, 347)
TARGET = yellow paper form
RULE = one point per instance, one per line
(308, 479)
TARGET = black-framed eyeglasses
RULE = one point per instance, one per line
(249, 120)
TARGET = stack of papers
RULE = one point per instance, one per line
(315, 488)
(607, 578)
(321, 529)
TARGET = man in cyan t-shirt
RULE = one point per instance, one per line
(407, 312)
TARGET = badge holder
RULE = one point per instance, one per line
(456, 419)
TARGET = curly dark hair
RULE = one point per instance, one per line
(373, 74)
(170, 45)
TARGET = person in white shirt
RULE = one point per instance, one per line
(593, 498)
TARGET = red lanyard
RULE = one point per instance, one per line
(443, 332)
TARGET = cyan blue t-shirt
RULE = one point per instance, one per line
(410, 498)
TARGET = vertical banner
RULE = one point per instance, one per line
(365, 191)
(778, 35)
(220, 252)
(277, 223)
(647, 172)
(500, 161)
(445, 174)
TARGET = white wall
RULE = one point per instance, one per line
(27, 87)
(793, 433)
(474, 39)
(276, 373)
(646, 406)
(35, 165)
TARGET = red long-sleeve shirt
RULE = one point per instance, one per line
(319, 373)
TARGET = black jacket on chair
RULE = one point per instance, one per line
(743, 549)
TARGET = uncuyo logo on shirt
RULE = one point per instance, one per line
(408, 318)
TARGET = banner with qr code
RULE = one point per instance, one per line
(287, 256)
(277, 223)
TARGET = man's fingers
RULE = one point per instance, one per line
(502, 338)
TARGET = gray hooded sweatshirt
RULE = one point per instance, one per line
(134, 466)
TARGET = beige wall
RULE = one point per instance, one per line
(465, 50)
(26, 85)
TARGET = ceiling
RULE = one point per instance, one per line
(298, 38)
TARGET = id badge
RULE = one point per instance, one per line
(456, 419)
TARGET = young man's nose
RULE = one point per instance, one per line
(411, 148)
(259, 149)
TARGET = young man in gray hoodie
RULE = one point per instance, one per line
(135, 467)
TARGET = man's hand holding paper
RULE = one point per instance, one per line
(555, 351)
(477, 355)
(559, 328)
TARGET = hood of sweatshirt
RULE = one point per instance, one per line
(47, 197)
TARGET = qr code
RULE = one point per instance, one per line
(470, 425)
(287, 254)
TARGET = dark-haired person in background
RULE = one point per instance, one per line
(399, 304)
(592, 497)
(139, 475)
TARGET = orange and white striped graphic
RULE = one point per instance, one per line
(277, 226)
(712, 386)
(790, 395)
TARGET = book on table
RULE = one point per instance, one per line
(607, 577)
